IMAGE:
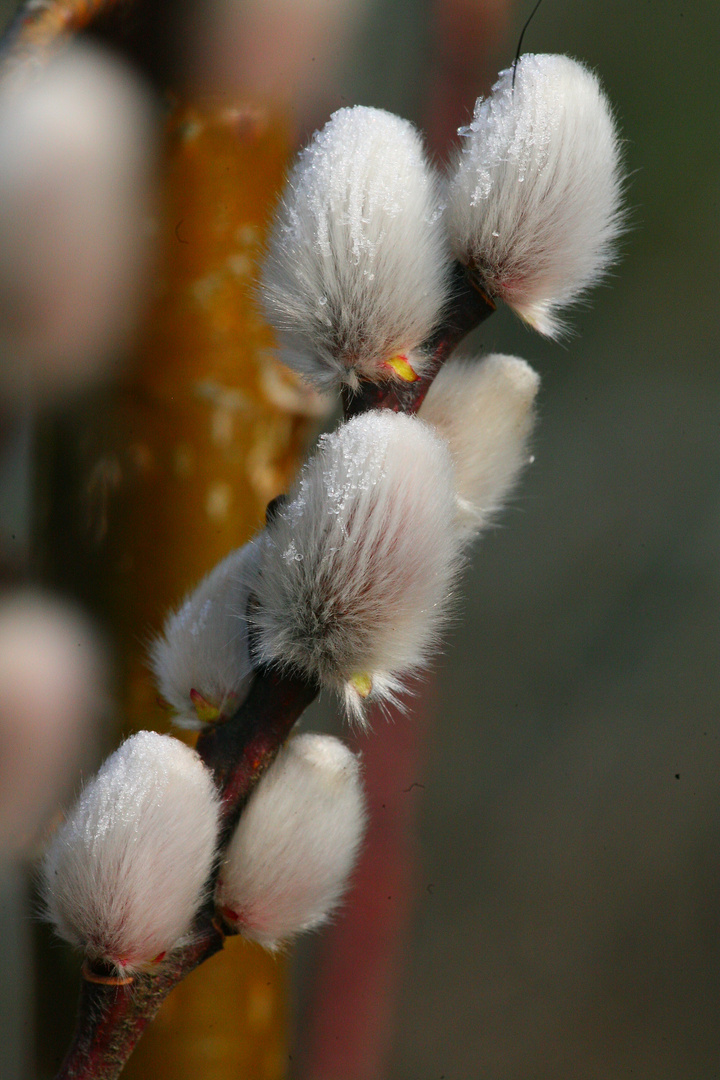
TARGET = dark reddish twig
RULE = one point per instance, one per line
(114, 1012)
(239, 751)
(469, 307)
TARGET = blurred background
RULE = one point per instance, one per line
(549, 827)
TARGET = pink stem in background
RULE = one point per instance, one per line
(467, 36)
(353, 1001)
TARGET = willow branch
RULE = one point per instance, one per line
(240, 750)
(113, 1013)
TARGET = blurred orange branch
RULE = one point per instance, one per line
(43, 25)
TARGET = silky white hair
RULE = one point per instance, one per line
(359, 565)
(534, 199)
(357, 262)
(126, 872)
(204, 644)
(290, 857)
(484, 410)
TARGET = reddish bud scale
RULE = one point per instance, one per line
(113, 1013)
(470, 307)
(239, 751)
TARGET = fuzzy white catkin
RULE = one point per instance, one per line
(360, 563)
(356, 270)
(534, 202)
(484, 410)
(126, 872)
(204, 645)
(290, 857)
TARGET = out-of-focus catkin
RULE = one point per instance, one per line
(290, 857)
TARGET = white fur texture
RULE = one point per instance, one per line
(204, 645)
(290, 857)
(360, 564)
(484, 410)
(357, 262)
(535, 200)
(126, 871)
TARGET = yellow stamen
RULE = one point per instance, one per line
(401, 366)
(362, 683)
(206, 711)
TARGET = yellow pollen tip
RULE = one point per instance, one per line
(401, 366)
(362, 683)
(206, 711)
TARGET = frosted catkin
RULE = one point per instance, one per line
(126, 872)
(534, 195)
(359, 566)
(357, 262)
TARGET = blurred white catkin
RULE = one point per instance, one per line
(484, 410)
(290, 857)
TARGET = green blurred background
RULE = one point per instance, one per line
(567, 920)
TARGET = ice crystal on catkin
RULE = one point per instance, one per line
(202, 660)
(289, 860)
(125, 873)
(360, 563)
(356, 271)
(534, 202)
(484, 410)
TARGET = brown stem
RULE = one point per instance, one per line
(241, 749)
(469, 306)
(112, 1017)
(112, 1014)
